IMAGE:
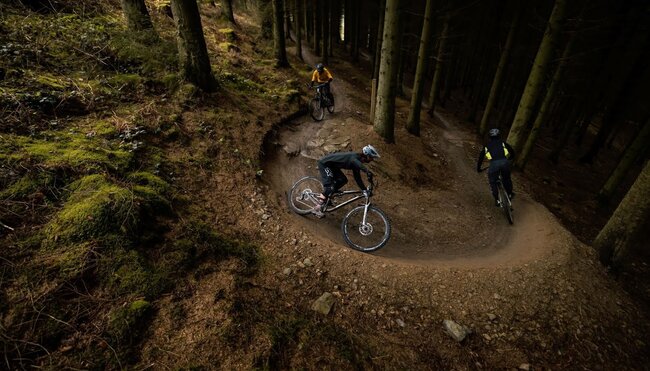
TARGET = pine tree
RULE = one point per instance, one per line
(278, 34)
(413, 123)
(385, 111)
(137, 16)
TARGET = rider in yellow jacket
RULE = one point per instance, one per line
(323, 77)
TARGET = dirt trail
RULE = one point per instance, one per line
(459, 227)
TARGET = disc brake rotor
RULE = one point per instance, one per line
(365, 229)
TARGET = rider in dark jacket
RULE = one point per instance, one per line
(333, 178)
(499, 153)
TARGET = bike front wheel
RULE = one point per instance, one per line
(303, 195)
(369, 236)
(505, 204)
(316, 110)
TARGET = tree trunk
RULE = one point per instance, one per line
(356, 23)
(324, 25)
(626, 226)
(299, 14)
(287, 20)
(413, 123)
(278, 35)
(498, 76)
(637, 148)
(545, 108)
(535, 83)
(380, 38)
(316, 22)
(136, 14)
(385, 112)
(192, 52)
(439, 60)
(227, 11)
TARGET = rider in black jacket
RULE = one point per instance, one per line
(333, 178)
(499, 153)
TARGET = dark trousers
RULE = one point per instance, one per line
(326, 92)
(499, 167)
(333, 179)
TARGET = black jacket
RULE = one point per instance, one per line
(495, 149)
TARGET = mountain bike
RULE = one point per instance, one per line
(320, 103)
(504, 200)
(365, 228)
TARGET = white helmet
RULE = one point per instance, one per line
(370, 151)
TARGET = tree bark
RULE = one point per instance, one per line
(498, 76)
(227, 11)
(413, 122)
(535, 83)
(380, 38)
(278, 35)
(385, 112)
(136, 14)
(626, 226)
(287, 20)
(356, 23)
(316, 24)
(192, 52)
(299, 14)
(324, 25)
(545, 109)
(638, 147)
(439, 60)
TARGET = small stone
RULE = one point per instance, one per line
(400, 323)
(301, 265)
(487, 337)
(456, 331)
(266, 216)
(491, 316)
(524, 366)
(496, 296)
(287, 271)
(307, 262)
(323, 304)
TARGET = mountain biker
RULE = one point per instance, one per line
(333, 178)
(499, 153)
(322, 75)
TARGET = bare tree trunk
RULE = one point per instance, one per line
(385, 112)
(626, 226)
(439, 60)
(413, 122)
(535, 83)
(380, 38)
(299, 14)
(638, 147)
(498, 76)
(278, 35)
(227, 11)
(192, 52)
(136, 14)
(545, 109)
(324, 24)
(287, 20)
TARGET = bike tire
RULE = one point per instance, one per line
(505, 203)
(354, 235)
(330, 108)
(316, 110)
(304, 187)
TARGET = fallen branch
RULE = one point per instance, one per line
(6, 226)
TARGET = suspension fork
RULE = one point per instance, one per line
(365, 211)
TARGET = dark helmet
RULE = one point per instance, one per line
(493, 133)
(320, 67)
(370, 151)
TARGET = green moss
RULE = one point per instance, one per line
(228, 33)
(125, 272)
(125, 81)
(144, 53)
(228, 46)
(64, 150)
(27, 185)
(95, 207)
(71, 262)
(126, 324)
(51, 81)
(240, 83)
(148, 180)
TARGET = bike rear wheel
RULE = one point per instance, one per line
(316, 110)
(330, 108)
(505, 203)
(303, 195)
(368, 237)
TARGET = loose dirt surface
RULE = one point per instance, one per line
(532, 294)
(452, 254)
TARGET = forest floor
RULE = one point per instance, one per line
(532, 294)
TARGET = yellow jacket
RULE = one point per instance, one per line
(320, 78)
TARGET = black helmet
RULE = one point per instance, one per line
(493, 132)
(320, 67)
